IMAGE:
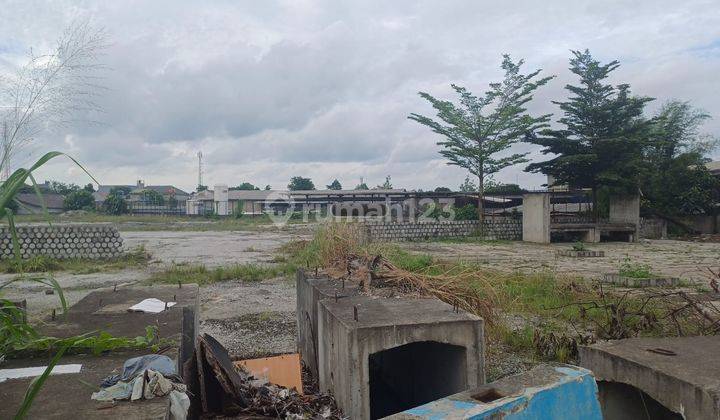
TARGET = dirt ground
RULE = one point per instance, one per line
(686, 260)
(257, 318)
(249, 318)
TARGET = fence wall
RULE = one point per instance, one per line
(495, 228)
(91, 240)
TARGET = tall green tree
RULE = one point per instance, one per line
(600, 145)
(479, 129)
(362, 185)
(675, 179)
(468, 185)
(298, 183)
(115, 201)
(245, 186)
(79, 200)
(335, 185)
(387, 185)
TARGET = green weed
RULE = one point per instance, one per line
(201, 275)
(41, 264)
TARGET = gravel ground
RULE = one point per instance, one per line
(687, 260)
(250, 318)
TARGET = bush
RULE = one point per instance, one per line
(115, 205)
(238, 210)
(466, 212)
(79, 200)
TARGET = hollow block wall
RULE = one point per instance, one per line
(494, 228)
(62, 241)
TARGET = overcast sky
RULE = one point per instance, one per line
(272, 89)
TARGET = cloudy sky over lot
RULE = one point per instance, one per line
(272, 89)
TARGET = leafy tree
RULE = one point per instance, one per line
(245, 186)
(604, 129)
(152, 197)
(500, 189)
(62, 188)
(479, 129)
(362, 186)
(335, 185)
(675, 179)
(387, 185)
(466, 212)
(201, 188)
(115, 201)
(298, 183)
(267, 188)
(79, 200)
(468, 185)
(89, 187)
(443, 189)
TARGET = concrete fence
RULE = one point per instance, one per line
(494, 228)
(92, 240)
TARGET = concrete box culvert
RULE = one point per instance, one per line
(310, 291)
(380, 356)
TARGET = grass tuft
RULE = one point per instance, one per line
(200, 274)
(137, 257)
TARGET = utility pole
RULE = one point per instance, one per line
(200, 168)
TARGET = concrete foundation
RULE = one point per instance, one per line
(310, 291)
(680, 375)
(68, 395)
(536, 218)
(545, 392)
(382, 356)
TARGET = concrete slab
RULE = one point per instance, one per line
(379, 356)
(106, 310)
(680, 373)
(68, 395)
(545, 392)
(310, 291)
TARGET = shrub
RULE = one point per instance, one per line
(79, 200)
(466, 212)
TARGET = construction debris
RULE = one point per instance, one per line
(283, 370)
(228, 389)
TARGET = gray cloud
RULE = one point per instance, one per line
(273, 89)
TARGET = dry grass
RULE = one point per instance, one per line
(565, 311)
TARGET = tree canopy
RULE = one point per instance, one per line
(298, 183)
(245, 186)
(115, 201)
(478, 130)
(79, 200)
(600, 144)
(387, 185)
(335, 185)
(675, 179)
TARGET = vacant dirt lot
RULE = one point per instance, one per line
(249, 318)
(687, 260)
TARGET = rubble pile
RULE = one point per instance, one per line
(222, 388)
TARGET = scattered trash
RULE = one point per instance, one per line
(283, 370)
(228, 389)
(147, 377)
(137, 365)
(151, 305)
(30, 372)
